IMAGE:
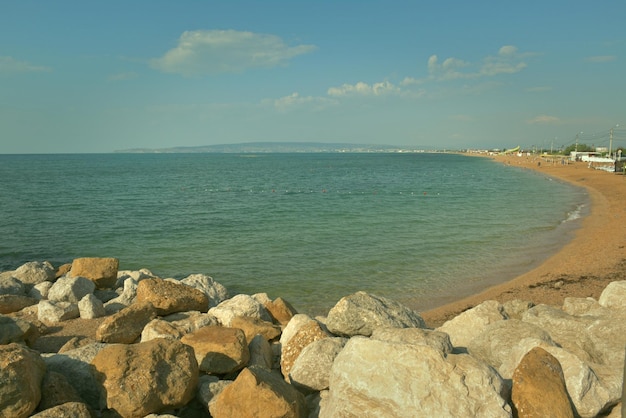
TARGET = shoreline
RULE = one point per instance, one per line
(594, 257)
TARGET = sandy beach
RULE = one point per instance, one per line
(595, 256)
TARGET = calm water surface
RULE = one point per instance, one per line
(311, 228)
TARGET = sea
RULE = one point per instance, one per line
(420, 228)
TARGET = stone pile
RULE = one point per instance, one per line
(171, 347)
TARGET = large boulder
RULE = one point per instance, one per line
(440, 341)
(56, 390)
(239, 305)
(91, 307)
(35, 272)
(373, 378)
(307, 334)
(16, 330)
(169, 297)
(15, 303)
(614, 295)
(219, 350)
(145, 378)
(538, 388)
(311, 370)
(361, 313)
(50, 312)
(9, 285)
(125, 326)
(470, 323)
(76, 366)
(66, 410)
(215, 292)
(258, 392)
(21, 373)
(102, 271)
(70, 289)
(280, 310)
(254, 326)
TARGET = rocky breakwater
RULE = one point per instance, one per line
(168, 347)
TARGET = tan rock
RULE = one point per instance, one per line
(219, 350)
(280, 310)
(258, 392)
(538, 387)
(16, 330)
(169, 297)
(63, 270)
(66, 410)
(56, 390)
(21, 373)
(311, 331)
(102, 271)
(254, 326)
(15, 303)
(145, 378)
(125, 326)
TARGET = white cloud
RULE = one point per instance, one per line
(364, 89)
(11, 65)
(507, 61)
(295, 100)
(601, 58)
(226, 51)
(544, 119)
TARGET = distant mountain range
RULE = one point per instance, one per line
(267, 147)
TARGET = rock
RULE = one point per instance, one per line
(75, 343)
(515, 309)
(238, 306)
(76, 366)
(158, 328)
(494, 345)
(258, 392)
(169, 297)
(70, 289)
(209, 387)
(139, 379)
(15, 303)
(361, 313)
(614, 295)
(254, 326)
(308, 333)
(21, 374)
(311, 370)
(63, 270)
(219, 350)
(66, 410)
(297, 322)
(54, 312)
(215, 292)
(373, 378)
(440, 341)
(538, 387)
(127, 298)
(280, 310)
(467, 325)
(56, 390)
(260, 352)
(101, 271)
(125, 327)
(588, 394)
(40, 290)
(9, 285)
(91, 307)
(16, 330)
(35, 272)
(191, 321)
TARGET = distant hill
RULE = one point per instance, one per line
(267, 147)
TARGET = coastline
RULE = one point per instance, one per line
(584, 266)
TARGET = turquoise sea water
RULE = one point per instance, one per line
(311, 228)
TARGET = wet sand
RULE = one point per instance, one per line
(595, 256)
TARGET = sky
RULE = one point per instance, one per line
(96, 77)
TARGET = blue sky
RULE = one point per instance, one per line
(82, 76)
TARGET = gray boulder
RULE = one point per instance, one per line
(239, 305)
(70, 289)
(311, 370)
(35, 272)
(91, 307)
(361, 313)
(468, 324)
(216, 292)
(50, 312)
(9, 285)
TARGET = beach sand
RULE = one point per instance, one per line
(595, 256)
